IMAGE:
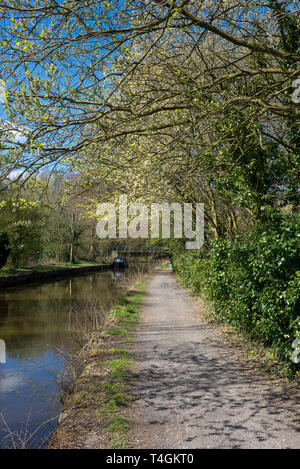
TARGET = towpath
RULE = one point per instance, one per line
(191, 388)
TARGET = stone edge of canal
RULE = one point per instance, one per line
(40, 276)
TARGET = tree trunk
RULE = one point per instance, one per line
(72, 239)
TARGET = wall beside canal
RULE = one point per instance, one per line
(37, 276)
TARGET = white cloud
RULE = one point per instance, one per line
(12, 131)
(10, 383)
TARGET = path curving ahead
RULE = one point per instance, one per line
(190, 389)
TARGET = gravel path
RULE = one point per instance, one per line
(190, 389)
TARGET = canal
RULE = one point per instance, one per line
(42, 327)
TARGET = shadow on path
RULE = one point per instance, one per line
(190, 390)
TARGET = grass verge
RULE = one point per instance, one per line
(95, 412)
(122, 321)
(7, 271)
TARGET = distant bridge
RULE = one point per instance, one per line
(139, 250)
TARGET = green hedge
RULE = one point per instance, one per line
(253, 281)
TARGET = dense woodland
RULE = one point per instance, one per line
(163, 100)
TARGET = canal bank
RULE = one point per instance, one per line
(48, 274)
(94, 413)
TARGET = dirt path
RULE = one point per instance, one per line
(191, 392)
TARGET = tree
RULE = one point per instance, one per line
(162, 100)
(66, 64)
(4, 249)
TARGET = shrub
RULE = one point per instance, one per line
(253, 281)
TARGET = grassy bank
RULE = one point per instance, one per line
(9, 271)
(42, 274)
(94, 413)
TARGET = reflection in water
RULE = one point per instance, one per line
(118, 275)
(3, 310)
(37, 323)
(2, 351)
(10, 383)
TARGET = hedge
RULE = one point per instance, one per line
(253, 281)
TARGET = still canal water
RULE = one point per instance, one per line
(41, 326)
